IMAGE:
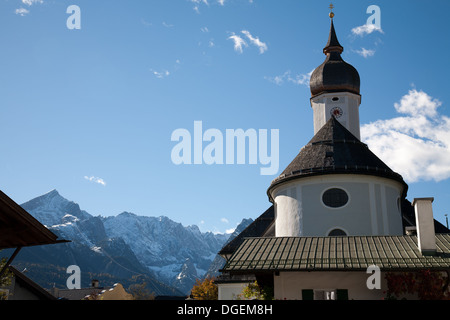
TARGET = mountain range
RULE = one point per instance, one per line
(126, 248)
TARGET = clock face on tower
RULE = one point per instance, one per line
(336, 112)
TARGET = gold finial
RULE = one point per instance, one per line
(331, 9)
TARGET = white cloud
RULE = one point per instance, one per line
(418, 103)
(366, 29)
(31, 2)
(416, 145)
(95, 180)
(160, 74)
(255, 40)
(146, 23)
(197, 3)
(299, 79)
(22, 11)
(224, 220)
(167, 25)
(239, 43)
(365, 52)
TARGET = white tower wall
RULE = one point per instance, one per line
(344, 106)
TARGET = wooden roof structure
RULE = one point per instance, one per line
(19, 229)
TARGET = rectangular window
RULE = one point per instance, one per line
(307, 294)
(325, 294)
(342, 294)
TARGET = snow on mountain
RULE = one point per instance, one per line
(164, 246)
(175, 254)
(51, 209)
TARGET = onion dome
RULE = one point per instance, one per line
(334, 75)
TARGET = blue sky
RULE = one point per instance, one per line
(90, 112)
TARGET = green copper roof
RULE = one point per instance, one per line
(337, 253)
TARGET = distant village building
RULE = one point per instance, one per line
(94, 292)
(338, 211)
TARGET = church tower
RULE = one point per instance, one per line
(336, 186)
(335, 88)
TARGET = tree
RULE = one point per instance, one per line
(5, 280)
(140, 292)
(253, 291)
(426, 284)
(205, 290)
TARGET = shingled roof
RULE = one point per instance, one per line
(335, 150)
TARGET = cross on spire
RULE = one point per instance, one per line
(331, 10)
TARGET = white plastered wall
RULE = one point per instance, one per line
(372, 209)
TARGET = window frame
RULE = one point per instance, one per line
(337, 228)
(310, 294)
(338, 188)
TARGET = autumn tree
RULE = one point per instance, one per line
(426, 284)
(5, 280)
(140, 292)
(205, 290)
(253, 291)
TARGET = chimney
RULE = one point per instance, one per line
(94, 283)
(426, 236)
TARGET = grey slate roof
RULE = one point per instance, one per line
(337, 254)
(335, 150)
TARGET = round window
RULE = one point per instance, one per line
(335, 198)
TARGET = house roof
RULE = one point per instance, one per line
(335, 150)
(78, 294)
(336, 254)
(19, 229)
(256, 229)
(30, 285)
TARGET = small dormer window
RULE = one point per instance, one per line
(335, 99)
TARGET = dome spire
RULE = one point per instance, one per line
(333, 44)
(331, 11)
(335, 87)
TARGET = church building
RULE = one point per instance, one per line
(338, 211)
